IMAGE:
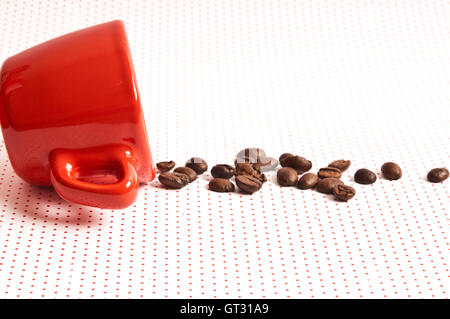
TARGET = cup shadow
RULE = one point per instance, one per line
(43, 204)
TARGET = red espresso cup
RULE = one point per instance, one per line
(71, 117)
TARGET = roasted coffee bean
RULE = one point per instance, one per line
(287, 176)
(245, 169)
(165, 166)
(343, 192)
(284, 156)
(173, 180)
(197, 164)
(266, 164)
(262, 177)
(257, 173)
(248, 184)
(329, 172)
(221, 185)
(341, 165)
(326, 185)
(248, 169)
(307, 181)
(300, 164)
(191, 174)
(364, 176)
(391, 171)
(437, 175)
(222, 171)
(253, 154)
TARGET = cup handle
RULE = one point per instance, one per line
(69, 170)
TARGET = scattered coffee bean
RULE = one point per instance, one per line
(284, 156)
(364, 176)
(327, 172)
(248, 184)
(257, 157)
(391, 171)
(173, 180)
(287, 176)
(165, 166)
(251, 162)
(253, 154)
(437, 175)
(221, 185)
(248, 169)
(222, 171)
(343, 192)
(191, 174)
(197, 164)
(245, 169)
(341, 165)
(307, 181)
(266, 164)
(326, 185)
(262, 178)
(300, 164)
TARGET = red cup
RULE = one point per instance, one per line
(71, 117)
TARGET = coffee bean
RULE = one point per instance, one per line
(300, 164)
(307, 181)
(197, 164)
(253, 154)
(221, 185)
(248, 184)
(245, 169)
(266, 164)
(341, 165)
(391, 171)
(173, 180)
(222, 171)
(261, 177)
(329, 172)
(191, 174)
(287, 176)
(284, 156)
(364, 176)
(343, 192)
(326, 185)
(165, 166)
(248, 169)
(437, 175)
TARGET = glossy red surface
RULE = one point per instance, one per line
(76, 94)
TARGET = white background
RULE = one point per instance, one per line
(360, 80)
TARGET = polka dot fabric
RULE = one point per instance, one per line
(366, 81)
